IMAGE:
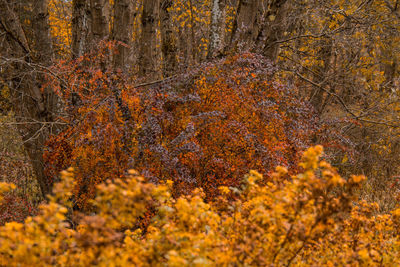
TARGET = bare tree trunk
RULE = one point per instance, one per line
(99, 10)
(389, 70)
(41, 29)
(272, 29)
(183, 46)
(90, 25)
(80, 27)
(168, 42)
(34, 106)
(122, 31)
(244, 31)
(258, 27)
(148, 51)
(216, 25)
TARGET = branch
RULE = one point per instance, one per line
(347, 109)
(154, 82)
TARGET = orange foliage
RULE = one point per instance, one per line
(205, 128)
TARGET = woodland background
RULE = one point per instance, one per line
(192, 95)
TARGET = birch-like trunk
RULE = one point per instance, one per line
(216, 30)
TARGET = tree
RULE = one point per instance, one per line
(122, 32)
(216, 34)
(258, 25)
(80, 27)
(148, 52)
(34, 104)
(245, 25)
(168, 40)
(90, 25)
(99, 9)
(272, 29)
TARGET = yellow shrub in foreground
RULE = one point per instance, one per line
(309, 219)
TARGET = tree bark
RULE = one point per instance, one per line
(272, 29)
(168, 42)
(34, 105)
(99, 10)
(80, 27)
(321, 74)
(244, 32)
(90, 25)
(216, 26)
(147, 57)
(122, 32)
(258, 27)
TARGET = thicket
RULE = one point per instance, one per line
(203, 129)
(310, 218)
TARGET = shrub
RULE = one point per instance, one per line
(312, 218)
(204, 129)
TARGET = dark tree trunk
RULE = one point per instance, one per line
(80, 27)
(272, 29)
(168, 42)
(34, 106)
(99, 9)
(89, 25)
(244, 27)
(122, 32)
(147, 57)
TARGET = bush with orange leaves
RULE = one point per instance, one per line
(204, 128)
(312, 218)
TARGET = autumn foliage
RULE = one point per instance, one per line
(203, 129)
(199, 133)
(310, 218)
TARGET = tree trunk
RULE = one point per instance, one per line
(34, 106)
(216, 26)
(258, 27)
(99, 10)
(272, 29)
(80, 27)
(89, 25)
(244, 31)
(122, 32)
(168, 42)
(147, 57)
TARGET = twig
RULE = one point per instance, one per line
(347, 109)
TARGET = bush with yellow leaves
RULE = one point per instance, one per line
(313, 218)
